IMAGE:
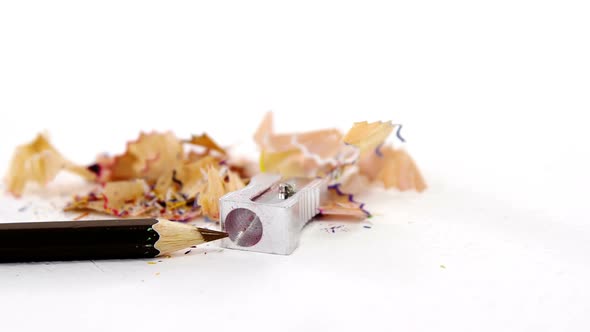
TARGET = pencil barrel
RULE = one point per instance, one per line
(81, 240)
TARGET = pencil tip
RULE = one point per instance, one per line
(211, 235)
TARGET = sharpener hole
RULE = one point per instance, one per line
(244, 227)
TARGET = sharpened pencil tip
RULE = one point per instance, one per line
(211, 235)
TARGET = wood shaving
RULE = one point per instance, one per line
(39, 162)
(161, 175)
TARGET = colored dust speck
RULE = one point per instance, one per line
(157, 273)
(398, 134)
(24, 208)
(378, 151)
(334, 229)
(152, 263)
(442, 266)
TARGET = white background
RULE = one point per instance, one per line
(493, 97)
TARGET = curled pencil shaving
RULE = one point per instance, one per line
(148, 157)
(205, 141)
(188, 178)
(298, 155)
(119, 193)
(394, 169)
(39, 162)
(343, 204)
(350, 180)
(218, 184)
(368, 136)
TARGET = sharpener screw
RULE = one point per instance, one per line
(286, 190)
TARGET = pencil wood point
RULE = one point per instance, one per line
(176, 236)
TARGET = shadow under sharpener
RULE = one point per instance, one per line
(258, 218)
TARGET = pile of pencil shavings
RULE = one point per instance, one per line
(161, 175)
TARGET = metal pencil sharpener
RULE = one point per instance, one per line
(268, 214)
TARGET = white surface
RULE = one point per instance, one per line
(493, 97)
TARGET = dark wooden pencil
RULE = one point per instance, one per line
(98, 239)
